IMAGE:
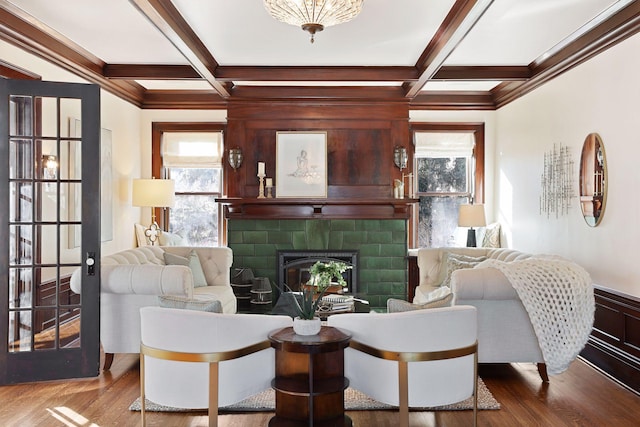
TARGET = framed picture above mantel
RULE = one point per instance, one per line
(301, 164)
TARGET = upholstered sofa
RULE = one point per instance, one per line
(134, 278)
(505, 332)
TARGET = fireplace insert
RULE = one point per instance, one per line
(293, 266)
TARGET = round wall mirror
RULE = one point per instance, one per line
(593, 179)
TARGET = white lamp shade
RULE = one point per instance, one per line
(471, 216)
(154, 193)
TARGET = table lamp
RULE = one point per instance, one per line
(153, 193)
(471, 216)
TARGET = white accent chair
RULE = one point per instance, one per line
(134, 278)
(175, 342)
(505, 332)
(420, 358)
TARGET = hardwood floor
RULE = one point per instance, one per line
(582, 396)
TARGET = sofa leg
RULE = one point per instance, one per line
(108, 360)
(542, 370)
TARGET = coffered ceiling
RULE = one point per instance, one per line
(433, 54)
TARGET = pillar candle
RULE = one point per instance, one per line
(269, 182)
(260, 168)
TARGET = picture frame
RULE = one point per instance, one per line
(106, 184)
(301, 164)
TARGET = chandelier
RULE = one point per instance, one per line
(313, 15)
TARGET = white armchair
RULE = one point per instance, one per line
(421, 358)
(174, 341)
(134, 278)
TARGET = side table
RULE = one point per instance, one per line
(310, 380)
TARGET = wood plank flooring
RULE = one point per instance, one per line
(582, 396)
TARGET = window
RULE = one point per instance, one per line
(446, 177)
(193, 161)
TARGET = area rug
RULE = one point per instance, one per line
(353, 401)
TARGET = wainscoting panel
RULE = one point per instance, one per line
(614, 344)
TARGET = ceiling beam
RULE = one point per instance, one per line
(184, 100)
(472, 73)
(385, 93)
(334, 74)
(10, 71)
(453, 100)
(459, 21)
(150, 72)
(164, 15)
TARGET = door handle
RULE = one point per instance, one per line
(91, 263)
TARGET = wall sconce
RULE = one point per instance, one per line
(235, 158)
(49, 166)
(400, 157)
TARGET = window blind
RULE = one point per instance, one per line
(439, 144)
(192, 149)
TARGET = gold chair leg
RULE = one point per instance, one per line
(143, 413)
(213, 394)
(475, 388)
(403, 384)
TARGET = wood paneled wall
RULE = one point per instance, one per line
(360, 141)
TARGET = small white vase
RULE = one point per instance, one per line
(307, 326)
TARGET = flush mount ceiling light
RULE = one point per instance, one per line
(313, 15)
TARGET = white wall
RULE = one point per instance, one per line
(600, 96)
(123, 119)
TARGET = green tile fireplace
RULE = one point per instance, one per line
(381, 244)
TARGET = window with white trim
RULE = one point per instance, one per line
(194, 161)
(445, 171)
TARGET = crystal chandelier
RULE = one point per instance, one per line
(313, 15)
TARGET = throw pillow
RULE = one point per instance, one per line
(397, 305)
(193, 262)
(466, 258)
(491, 237)
(170, 239)
(454, 264)
(208, 304)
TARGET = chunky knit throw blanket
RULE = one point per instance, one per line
(558, 296)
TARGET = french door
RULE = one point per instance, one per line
(49, 228)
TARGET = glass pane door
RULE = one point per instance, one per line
(49, 142)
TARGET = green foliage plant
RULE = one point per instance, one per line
(322, 273)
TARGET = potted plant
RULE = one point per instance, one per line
(322, 274)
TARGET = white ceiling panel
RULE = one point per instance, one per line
(516, 32)
(241, 32)
(113, 30)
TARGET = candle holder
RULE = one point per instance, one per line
(270, 192)
(261, 191)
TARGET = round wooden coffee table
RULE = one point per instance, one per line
(310, 380)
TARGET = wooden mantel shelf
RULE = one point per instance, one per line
(300, 208)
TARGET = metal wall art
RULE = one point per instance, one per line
(557, 182)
